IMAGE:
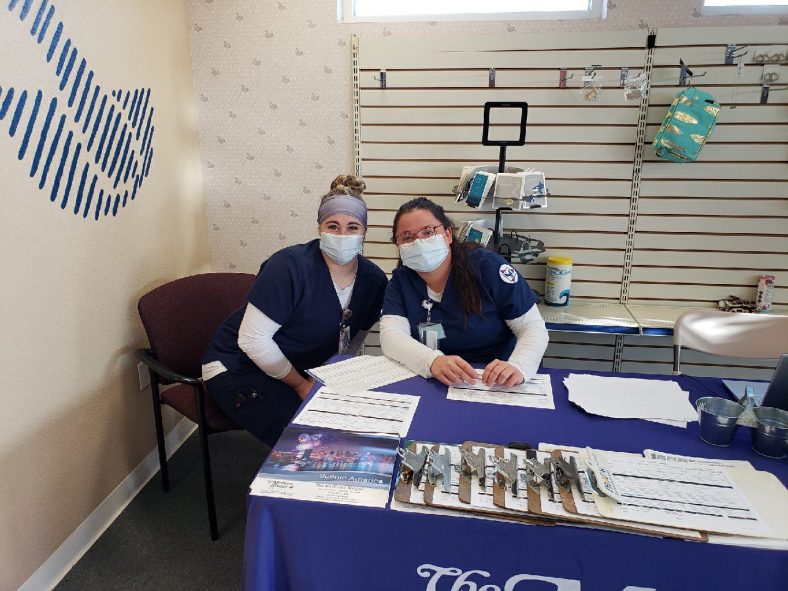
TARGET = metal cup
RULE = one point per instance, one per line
(717, 419)
(770, 435)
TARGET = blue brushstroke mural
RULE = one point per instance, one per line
(88, 149)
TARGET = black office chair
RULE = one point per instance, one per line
(180, 318)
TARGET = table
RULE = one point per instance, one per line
(300, 545)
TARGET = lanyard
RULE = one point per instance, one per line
(427, 305)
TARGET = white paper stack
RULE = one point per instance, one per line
(661, 401)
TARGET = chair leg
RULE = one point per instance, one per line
(154, 388)
(676, 360)
(199, 395)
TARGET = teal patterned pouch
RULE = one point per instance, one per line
(686, 126)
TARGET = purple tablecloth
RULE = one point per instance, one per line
(298, 545)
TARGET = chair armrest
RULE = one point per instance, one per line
(147, 357)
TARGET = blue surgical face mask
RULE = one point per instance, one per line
(341, 248)
(424, 254)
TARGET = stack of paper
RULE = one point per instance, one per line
(364, 372)
(708, 496)
(662, 401)
(533, 393)
(365, 412)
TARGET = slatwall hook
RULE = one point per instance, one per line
(381, 79)
(562, 77)
(686, 75)
(731, 55)
(766, 89)
(591, 70)
(491, 81)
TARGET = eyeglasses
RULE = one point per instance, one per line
(425, 232)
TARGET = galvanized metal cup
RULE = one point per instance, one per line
(717, 419)
(770, 435)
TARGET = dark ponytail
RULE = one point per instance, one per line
(465, 282)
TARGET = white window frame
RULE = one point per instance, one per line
(742, 9)
(597, 10)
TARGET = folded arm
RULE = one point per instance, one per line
(256, 339)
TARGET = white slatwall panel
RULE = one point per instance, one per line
(708, 229)
(703, 230)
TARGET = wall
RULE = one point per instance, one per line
(275, 105)
(74, 423)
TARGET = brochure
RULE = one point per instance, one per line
(314, 464)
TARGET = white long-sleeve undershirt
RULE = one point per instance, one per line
(529, 330)
(256, 339)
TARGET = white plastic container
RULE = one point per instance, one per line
(558, 280)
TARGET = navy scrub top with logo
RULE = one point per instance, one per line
(505, 296)
(294, 289)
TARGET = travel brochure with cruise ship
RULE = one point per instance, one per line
(314, 464)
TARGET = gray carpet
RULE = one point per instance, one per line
(161, 540)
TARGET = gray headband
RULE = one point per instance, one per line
(343, 203)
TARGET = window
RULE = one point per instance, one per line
(422, 10)
(711, 7)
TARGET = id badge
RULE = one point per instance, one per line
(344, 339)
(430, 333)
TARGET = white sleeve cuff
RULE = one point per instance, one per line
(396, 342)
(532, 339)
(256, 339)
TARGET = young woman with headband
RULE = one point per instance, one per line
(309, 302)
(450, 304)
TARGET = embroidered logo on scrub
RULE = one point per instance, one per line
(508, 274)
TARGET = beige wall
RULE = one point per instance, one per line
(275, 105)
(73, 421)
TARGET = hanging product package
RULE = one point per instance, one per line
(686, 126)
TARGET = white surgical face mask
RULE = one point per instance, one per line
(341, 248)
(424, 254)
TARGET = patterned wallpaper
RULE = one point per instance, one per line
(273, 82)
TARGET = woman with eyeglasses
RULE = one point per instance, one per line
(309, 302)
(451, 303)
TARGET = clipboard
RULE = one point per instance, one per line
(583, 511)
(437, 477)
(525, 503)
(480, 501)
(474, 468)
(567, 499)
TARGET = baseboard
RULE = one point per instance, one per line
(56, 566)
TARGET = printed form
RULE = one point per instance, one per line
(696, 496)
(366, 412)
(364, 372)
(534, 393)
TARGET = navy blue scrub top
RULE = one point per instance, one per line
(294, 289)
(505, 296)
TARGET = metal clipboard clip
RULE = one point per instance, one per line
(536, 472)
(411, 467)
(473, 463)
(439, 466)
(506, 472)
(566, 473)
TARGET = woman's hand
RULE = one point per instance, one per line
(451, 369)
(501, 373)
(304, 387)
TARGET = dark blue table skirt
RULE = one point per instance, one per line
(298, 545)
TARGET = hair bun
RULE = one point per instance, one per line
(350, 184)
